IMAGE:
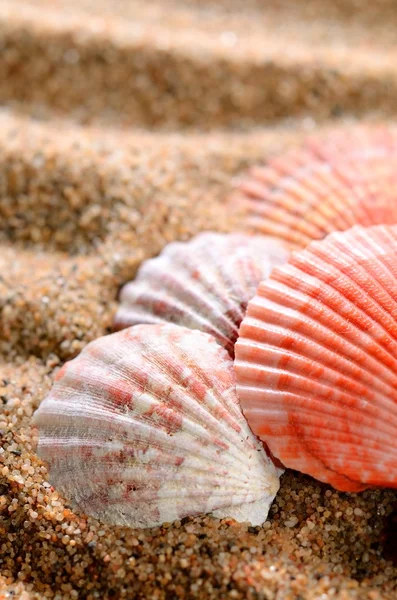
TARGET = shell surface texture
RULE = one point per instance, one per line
(145, 427)
(329, 184)
(202, 284)
(316, 360)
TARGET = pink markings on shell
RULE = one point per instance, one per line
(145, 426)
(202, 284)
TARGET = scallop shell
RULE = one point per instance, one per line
(332, 183)
(144, 426)
(203, 284)
(316, 361)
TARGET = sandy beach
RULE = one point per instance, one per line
(122, 127)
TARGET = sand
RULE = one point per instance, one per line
(122, 126)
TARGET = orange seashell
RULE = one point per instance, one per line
(202, 284)
(316, 360)
(331, 183)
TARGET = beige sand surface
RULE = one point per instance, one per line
(122, 125)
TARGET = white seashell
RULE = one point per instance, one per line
(144, 426)
(203, 284)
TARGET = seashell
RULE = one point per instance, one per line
(203, 284)
(316, 360)
(144, 427)
(331, 183)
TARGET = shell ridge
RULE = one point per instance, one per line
(176, 285)
(316, 318)
(233, 406)
(341, 281)
(232, 481)
(179, 307)
(191, 422)
(373, 377)
(320, 173)
(383, 388)
(226, 395)
(274, 210)
(269, 227)
(356, 273)
(335, 184)
(202, 284)
(297, 402)
(323, 404)
(295, 371)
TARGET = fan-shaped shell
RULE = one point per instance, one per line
(316, 360)
(203, 284)
(144, 426)
(331, 183)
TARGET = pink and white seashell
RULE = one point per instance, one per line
(331, 183)
(144, 427)
(316, 360)
(202, 284)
